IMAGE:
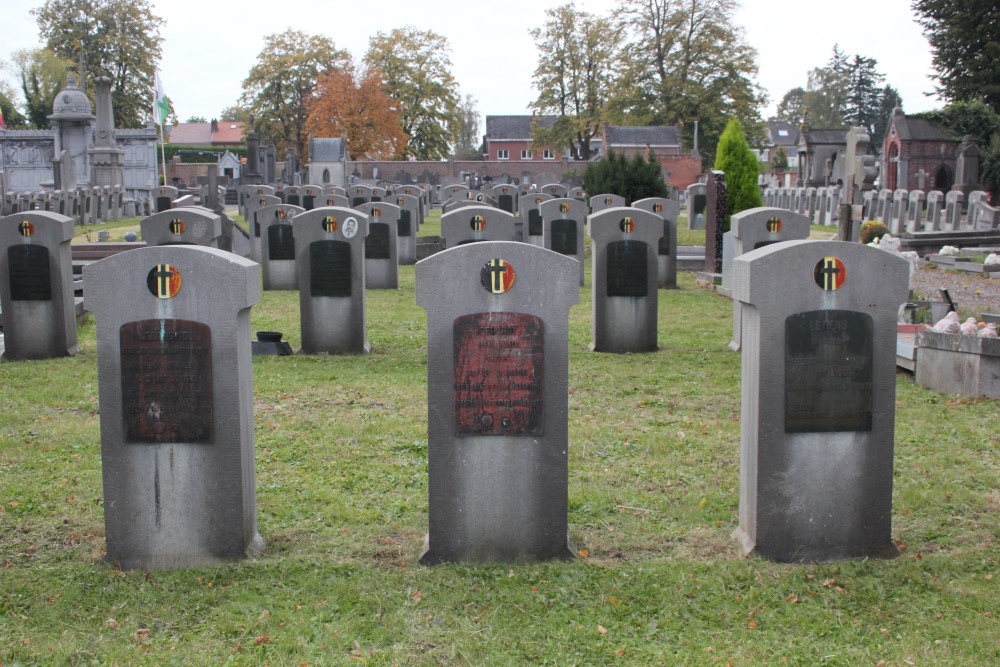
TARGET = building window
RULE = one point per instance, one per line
(503, 154)
(525, 155)
(547, 154)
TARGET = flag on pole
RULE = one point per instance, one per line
(160, 105)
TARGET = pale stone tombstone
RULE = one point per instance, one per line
(182, 226)
(330, 247)
(331, 189)
(505, 196)
(254, 204)
(884, 214)
(293, 195)
(577, 193)
(666, 251)
(449, 191)
(953, 202)
(624, 279)
(898, 220)
(164, 196)
(915, 212)
(476, 223)
(529, 210)
(36, 286)
(359, 194)
(818, 411)
(696, 202)
(935, 200)
(600, 203)
(176, 398)
(379, 193)
(309, 194)
(497, 390)
(327, 200)
(556, 190)
(563, 221)
(277, 246)
(406, 236)
(382, 245)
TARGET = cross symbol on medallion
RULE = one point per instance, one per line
(829, 272)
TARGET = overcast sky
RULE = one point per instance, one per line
(209, 47)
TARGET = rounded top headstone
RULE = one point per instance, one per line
(71, 103)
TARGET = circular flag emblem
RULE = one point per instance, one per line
(163, 191)
(607, 201)
(774, 225)
(26, 229)
(554, 189)
(260, 192)
(329, 224)
(280, 214)
(263, 202)
(657, 208)
(830, 273)
(564, 207)
(497, 276)
(350, 228)
(627, 225)
(538, 200)
(478, 223)
(176, 226)
(163, 281)
(399, 201)
(376, 212)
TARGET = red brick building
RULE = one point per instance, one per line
(508, 139)
(917, 155)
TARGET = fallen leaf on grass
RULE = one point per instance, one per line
(113, 624)
(416, 595)
(583, 553)
(752, 625)
(142, 634)
(620, 652)
(263, 639)
(603, 630)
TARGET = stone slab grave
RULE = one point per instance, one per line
(248, 192)
(666, 249)
(468, 198)
(599, 203)
(277, 246)
(505, 196)
(624, 242)
(176, 399)
(406, 229)
(530, 214)
(164, 196)
(252, 206)
(36, 286)
(958, 364)
(556, 190)
(818, 399)
(330, 199)
(497, 375)
(756, 228)
(381, 245)
(308, 195)
(563, 221)
(696, 202)
(359, 194)
(182, 226)
(379, 193)
(476, 223)
(577, 193)
(330, 247)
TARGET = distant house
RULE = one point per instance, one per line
(215, 133)
(816, 153)
(917, 155)
(780, 135)
(664, 142)
(508, 139)
(327, 161)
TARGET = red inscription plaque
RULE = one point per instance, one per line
(166, 368)
(498, 374)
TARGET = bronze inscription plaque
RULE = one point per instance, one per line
(498, 374)
(166, 368)
(828, 371)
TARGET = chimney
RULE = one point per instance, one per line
(215, 125)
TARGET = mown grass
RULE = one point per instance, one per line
(341, 451)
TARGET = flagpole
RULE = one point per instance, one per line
(163, 155)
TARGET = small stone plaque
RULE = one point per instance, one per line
(405, 227)
(281, 242)
(498, 374)
(828, 371)
(626, 269)
(166, 382)
(358, 201)
(309, 202)
(330, 268)
(162, 204)
(534, 222)
(377, 243)
(506, 203)
(292, 200)
(30, 278)
(564, 237)
(761, 244)
(663, 248)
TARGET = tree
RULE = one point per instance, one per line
(416, 72)
(965, 42)
(741, 167)
(780, 159)
(278, 88)
(468, 143)
(636, 178)
(353, 104)
(980, 121)
(12, 118)
(575, 64)
(791, 109)
(42, 75)
(888, 100)
(694, 64)
(119, 39)
(824, 103)
(196, 119)
(235, 113)
(864, 94)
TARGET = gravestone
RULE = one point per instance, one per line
(309, 194)
(379, 193)
(252, 206)
(624, 243)
(555, 190)
(915, 212)
(666, 250)
(497, 376)
(330, 246)
(476, 223)
(449, 191)
(176, 399)
(182, 226)
(326, 200)
(818, 410)
(696, 202)
(359, 194)
(381, 245)
(293, 195)
(36, 286)
(164, 197)
(529, 210)
(600, 203)
(563, 221)
(953, 202)
(406, 235)
(577, 193)
(505, 196)
(277, 246)
(715, 216)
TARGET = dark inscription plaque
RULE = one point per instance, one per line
(30, 277)
(761, 244)
(498, 374)
(358, 201)
(330, 268)
(280, 242)
(534, 222)
(162, 204)
(376, 198)
(167, 381)
(828, 371)
(699, 203)
(663, 248)
(377, 241)
(256, 229)
(627, 269)
(404, 226)
(506, 203)
(292, 200)
(309, 202)
(564, 236)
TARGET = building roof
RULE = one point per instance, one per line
(912, 128)
(781, 133)
(514, 128)
(227, 133)
(653, 136)
(326, 149)
(834, 136)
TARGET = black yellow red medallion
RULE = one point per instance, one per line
(478, 223)
(830, 273)
(176, 226)
(26, 229)
(329, 224)
(774, 225)
(164, 281)
(497, 276)
(627, 225)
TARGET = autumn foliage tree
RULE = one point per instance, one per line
(353, 104)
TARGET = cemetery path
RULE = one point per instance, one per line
(973, 292)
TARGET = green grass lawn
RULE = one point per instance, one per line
(341, 447)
